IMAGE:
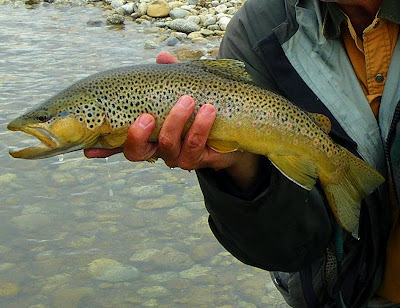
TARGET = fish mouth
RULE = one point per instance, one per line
(47, 147)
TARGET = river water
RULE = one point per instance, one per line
(99, 233)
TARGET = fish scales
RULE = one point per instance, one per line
(98, 110)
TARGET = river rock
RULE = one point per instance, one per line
(8, 289)
(148, 191)
(210, 21)
(178, 13)
(187, 54)
(221, 8)
(206, 32)
(158, 8)
(179, 213)
(194, 19)
(153, 291)
(183, 25)
(112, 270)
(142, 8)
(117, 3)
(195, 272)
(171, 41)
(150, 45)
(94, 23)
(167, 259)
(71, 297)
(115, 19)
(165, 202)
(180, 35)
(223, 22)
(174, 4)
(192, 2)
(128, 8)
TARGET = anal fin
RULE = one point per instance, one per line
(223, 146)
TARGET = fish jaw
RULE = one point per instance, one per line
(48, 143)
(56, 138)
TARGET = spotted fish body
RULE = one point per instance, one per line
(98, 110)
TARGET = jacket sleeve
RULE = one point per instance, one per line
(276, 225)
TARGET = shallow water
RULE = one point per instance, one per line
(96, 233)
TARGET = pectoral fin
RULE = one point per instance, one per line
(223, 146)
(296, 169)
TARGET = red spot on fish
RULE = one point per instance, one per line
(315, 141)
(303, 131)
(247, 106)
(254, 123)
(289, 125)
(271, 113)
(225, 111)
(268, 131)
(329, 154)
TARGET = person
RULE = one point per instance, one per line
(340, 58)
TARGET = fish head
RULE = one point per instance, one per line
(69, 121)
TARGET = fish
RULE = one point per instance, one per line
(97, 111)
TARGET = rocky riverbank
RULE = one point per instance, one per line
(171, 22)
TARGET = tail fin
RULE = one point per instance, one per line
(348, 188)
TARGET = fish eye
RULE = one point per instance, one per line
(42, 117)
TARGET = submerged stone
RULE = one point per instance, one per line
(112, 270)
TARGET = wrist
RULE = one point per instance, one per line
(244, 170)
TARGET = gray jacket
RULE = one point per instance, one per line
(277, 225)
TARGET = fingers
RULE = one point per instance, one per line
(194, 153)
(100, 153)
(136, 146)
(164, 57)
(169, 139)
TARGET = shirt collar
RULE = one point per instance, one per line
(333, 16)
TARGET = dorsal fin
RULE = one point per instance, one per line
(229, 68)
(321, 120)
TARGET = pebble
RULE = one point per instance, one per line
(195, 271)
(194, 19)
(112, 271)
(128, 8)
(167, 259)
(177, 13)
(171, 41)
(153, 291)
(148, 191)
(158, 8)
(166, 202)
(150, 45)
(210, 21)
(187, 54)
(115, 19)
(184, 25)
(8, 289)
(94, 23)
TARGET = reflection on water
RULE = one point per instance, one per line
(89, 233)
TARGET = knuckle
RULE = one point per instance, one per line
(165, 142)
(195, 141)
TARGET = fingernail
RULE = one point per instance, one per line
(185, 102)
(144, 121)
(208, 110)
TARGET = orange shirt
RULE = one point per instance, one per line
(370, 57)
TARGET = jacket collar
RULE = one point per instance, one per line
(333, 16)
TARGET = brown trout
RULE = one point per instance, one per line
(97, 111)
